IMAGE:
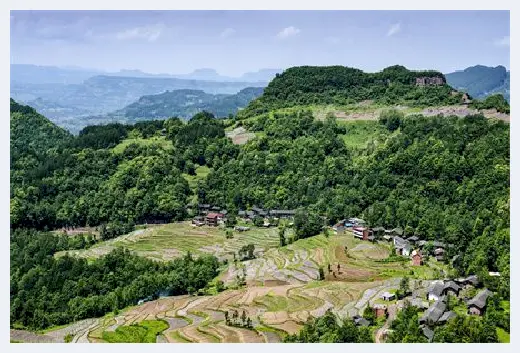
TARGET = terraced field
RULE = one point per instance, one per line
(173, 240)
(274, 311)
(282, 286)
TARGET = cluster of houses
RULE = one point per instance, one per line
(435, 303)
(437, 313)
(411, 246)
(213, 215)
(259, 212)
(357, 226)
(209, 215)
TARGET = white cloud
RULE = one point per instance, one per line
(502, 42)
(395, 28)
(332, 40)
(288, 32)
(228, 32)
(150, 33)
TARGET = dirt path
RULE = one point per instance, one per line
(392, 310)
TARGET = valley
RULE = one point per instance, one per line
(248, 228)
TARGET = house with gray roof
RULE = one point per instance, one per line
(360, 321)
(471, 280)
(421, 243)
(433, 314)
(447, 316)
(282, 213)
(435, 291)
(413, 239)
(439, 254)
(477, 305)
(439, 244)
(402, 246)
(450, 287)
(428, 333)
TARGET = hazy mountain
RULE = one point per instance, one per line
(35, 74)
(481, 81)
(185, 103)
(103, 94)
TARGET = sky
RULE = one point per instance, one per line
(234, 42)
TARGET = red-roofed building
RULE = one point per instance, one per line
(212, 219)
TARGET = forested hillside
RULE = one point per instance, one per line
(85, 182)
(186, 103)
(343, 85)
(440, 178)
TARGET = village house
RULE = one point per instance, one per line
(413, 239)
(259, 211)
(421, 243)
(428, 333)
(465, 99)
(439, 254)
(433, 314)
(477, 305)
(450, 287)
(435, 291)
(471, 280)
(360, 321)
(361, 232)
(356, 221)
(213, 219)
(378, 232)
(388, 296)
(282, 213)
(380, 310)
(418, 303)
(203, 208)
(402, 246)
(447, 316)
(198, 221)
(417, 259)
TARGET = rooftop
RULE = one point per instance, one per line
(480, 299)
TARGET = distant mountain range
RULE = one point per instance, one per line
(103, 94)
(74, 97)
(34, 74)
(481, 81)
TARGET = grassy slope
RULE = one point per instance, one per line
(171, 240)
(159, 141)
(144, 332)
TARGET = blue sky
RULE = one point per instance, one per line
(234, 42)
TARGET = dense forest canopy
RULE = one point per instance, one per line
(343, 85)
(81, 181)
(46, 291)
